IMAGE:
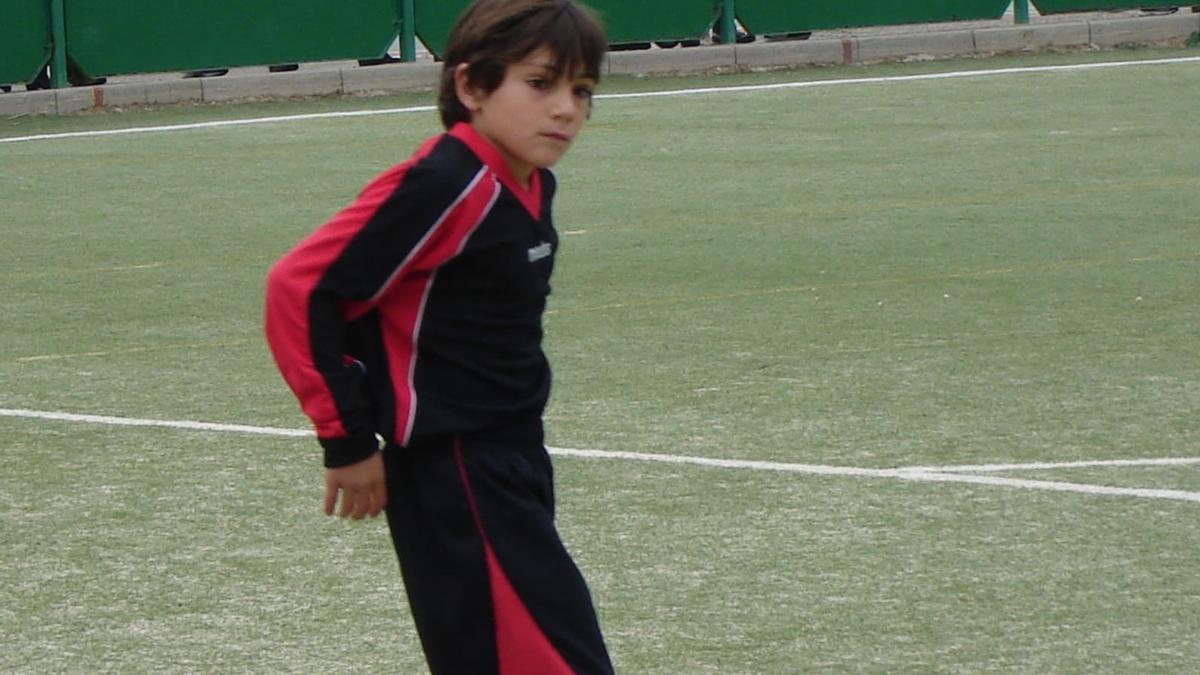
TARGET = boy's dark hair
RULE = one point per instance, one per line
(491, 35)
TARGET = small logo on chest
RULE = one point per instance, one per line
(542, 250)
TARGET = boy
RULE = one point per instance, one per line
(415, 314)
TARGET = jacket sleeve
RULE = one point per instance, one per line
(398, 226)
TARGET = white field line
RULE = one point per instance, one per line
(1035, 466)
(954, 74)
(136, 422)
(1053, 486)
(217, 124)
(645, 94)
(909, 474)
(945, 474)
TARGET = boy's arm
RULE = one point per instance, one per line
(404, 222)
(305, 330)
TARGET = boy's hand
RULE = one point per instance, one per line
(363, 488)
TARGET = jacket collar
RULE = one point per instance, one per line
(530, 198)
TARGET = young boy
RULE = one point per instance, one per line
(414, 315)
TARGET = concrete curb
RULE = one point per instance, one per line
(679, 59)
(1032, 38)
(405, 77)
(390, 78)
(29, 103)
(1143, 30)
(916, 46)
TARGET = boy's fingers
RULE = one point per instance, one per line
(330, 497)
(362, 488)
(378, 499)
(359, 503)
(376, 506)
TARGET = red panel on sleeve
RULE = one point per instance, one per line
(290, 286)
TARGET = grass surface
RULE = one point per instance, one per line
(968, 271)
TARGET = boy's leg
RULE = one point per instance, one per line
(441, 558)
(548, 603)
(489, 582)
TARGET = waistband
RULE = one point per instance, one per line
(528, 432)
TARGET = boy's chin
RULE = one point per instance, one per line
(548, 160)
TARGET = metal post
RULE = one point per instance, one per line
(408, 31)
(728, 28)
(58, 29)
(1021, 11)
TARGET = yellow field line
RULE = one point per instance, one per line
(810, 288)
(1013, 197)
(41, 358)
(663, 301)
(53, 272)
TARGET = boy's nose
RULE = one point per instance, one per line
(564, 103)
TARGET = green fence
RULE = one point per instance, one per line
(629, 20)
(624, 20)
(25, 45)
(771, 16)
(1063, 6)
(434, 20)
(112, 37)
(118, 36)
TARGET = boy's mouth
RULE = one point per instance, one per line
(554, 135)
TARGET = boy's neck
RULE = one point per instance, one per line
(520, 172)
(522, 180)
(521, 177)
(527, 187)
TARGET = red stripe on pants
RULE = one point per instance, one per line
(522, 646)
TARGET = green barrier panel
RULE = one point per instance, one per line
(1064, 6)
(434, 19)
(109, 37)
(640, 21)
(779, 16)
(25, 45)
(624, 20)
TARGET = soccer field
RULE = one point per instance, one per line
(870, 369)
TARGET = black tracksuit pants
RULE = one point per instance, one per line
(491, 587)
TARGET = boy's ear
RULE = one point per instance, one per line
(468, 95)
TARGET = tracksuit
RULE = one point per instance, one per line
(415, 316)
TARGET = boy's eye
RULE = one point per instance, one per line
(539, 82)
(584, 92)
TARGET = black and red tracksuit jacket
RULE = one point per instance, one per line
(416, 311)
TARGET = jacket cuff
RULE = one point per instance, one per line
(348, 450)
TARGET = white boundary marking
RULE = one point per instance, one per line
(1034, 466)
(944, 474)
(137, 422)
(645, 94)
(218, 124)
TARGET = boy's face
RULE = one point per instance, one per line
(532, 117)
